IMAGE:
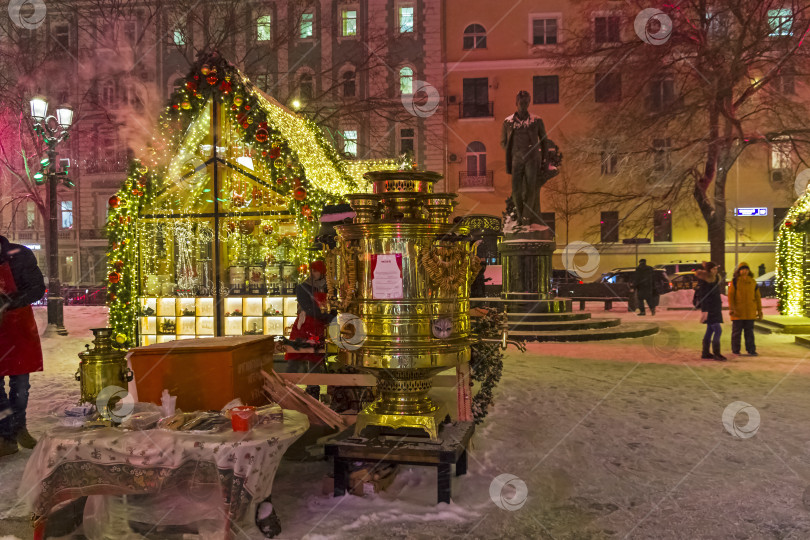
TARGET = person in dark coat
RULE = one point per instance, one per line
(707, 298)
(645, 289)
(21, 284)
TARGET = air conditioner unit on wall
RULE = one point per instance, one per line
(453, 158)
(451, 99)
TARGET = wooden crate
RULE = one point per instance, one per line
(204, 374)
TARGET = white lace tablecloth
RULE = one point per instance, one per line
(71, 462)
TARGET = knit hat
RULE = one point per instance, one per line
(743, 265)
(317, 266)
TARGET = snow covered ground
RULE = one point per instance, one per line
(621, 439)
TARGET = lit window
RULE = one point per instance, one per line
(609, 162)
(31, 215)
(179, 37)
(406, 81)
(307, 25)
(407, 139)
(544, 31)
(780, 155)
(662, 226)
(405, 22)
(263, 28)
(349, 22)
(475, 37)
(781, 21)
(67, 214)
(350, 143)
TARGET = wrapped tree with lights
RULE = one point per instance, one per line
(232, 178)
(792, 268)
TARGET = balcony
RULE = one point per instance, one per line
(110, 164)
(92, 234)
(474, 181)
(476, 110)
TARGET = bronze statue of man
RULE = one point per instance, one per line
(524, 138)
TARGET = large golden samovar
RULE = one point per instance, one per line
(102, 366)
(400, 275)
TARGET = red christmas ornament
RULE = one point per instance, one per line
(263, 125)
(300, 194)
(245, 125)
(225, 87)
(306, 210)
(264, 153)
(247, 107)
(274, 152)
(114, 277)
(114, 201)
(191, 85)
(261, 135)
(211, 79)
(175, 106)
(119, 265)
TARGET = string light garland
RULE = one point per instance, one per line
(279, 166)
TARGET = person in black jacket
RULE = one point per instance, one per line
(21, 284)
(645, 290)
(707, 298)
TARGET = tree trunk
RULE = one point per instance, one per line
(717, 239)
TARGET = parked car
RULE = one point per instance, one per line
(684, 281)
(617, 283)
(679, 267)
(767, 285)
(562, 278)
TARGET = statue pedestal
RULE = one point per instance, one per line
(526, 263)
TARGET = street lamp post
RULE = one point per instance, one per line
(52, 130)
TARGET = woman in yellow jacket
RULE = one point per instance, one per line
(745, 305)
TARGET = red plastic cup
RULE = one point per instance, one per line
(243, 418)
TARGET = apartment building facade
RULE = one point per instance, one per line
(494, 52)
(355, 67)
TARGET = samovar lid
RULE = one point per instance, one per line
(402, 181)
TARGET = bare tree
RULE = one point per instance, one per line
(700, 83)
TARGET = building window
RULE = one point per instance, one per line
(306, 86)
(779, 215)
(107, 93)
(179, 37)
(546, 89)
(475, 37)
(609, 227)
(263, 82)
(67, 214)
(781, 21)
(350, 143)
(405, 19)
(780, 155)
(608, 87)
(662, 148)
(130, 32)
(476, 159)
(662, 226)
(349, 84)
(406, 81)
(31, 215)
(662, 94)
(609, 162)
(407, 141)
(544, 31)
(549, 220)
(264, 28)
(348, 22)
(606, 29)
(61, 34)
(786, 81)
(307, 25)
(475, 100)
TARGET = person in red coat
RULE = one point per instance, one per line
(310, 324)
(21, 284)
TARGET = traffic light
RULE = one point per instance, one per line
(39, 178)
(45, 162)
(68, 183)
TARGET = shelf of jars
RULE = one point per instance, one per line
(163, 319)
